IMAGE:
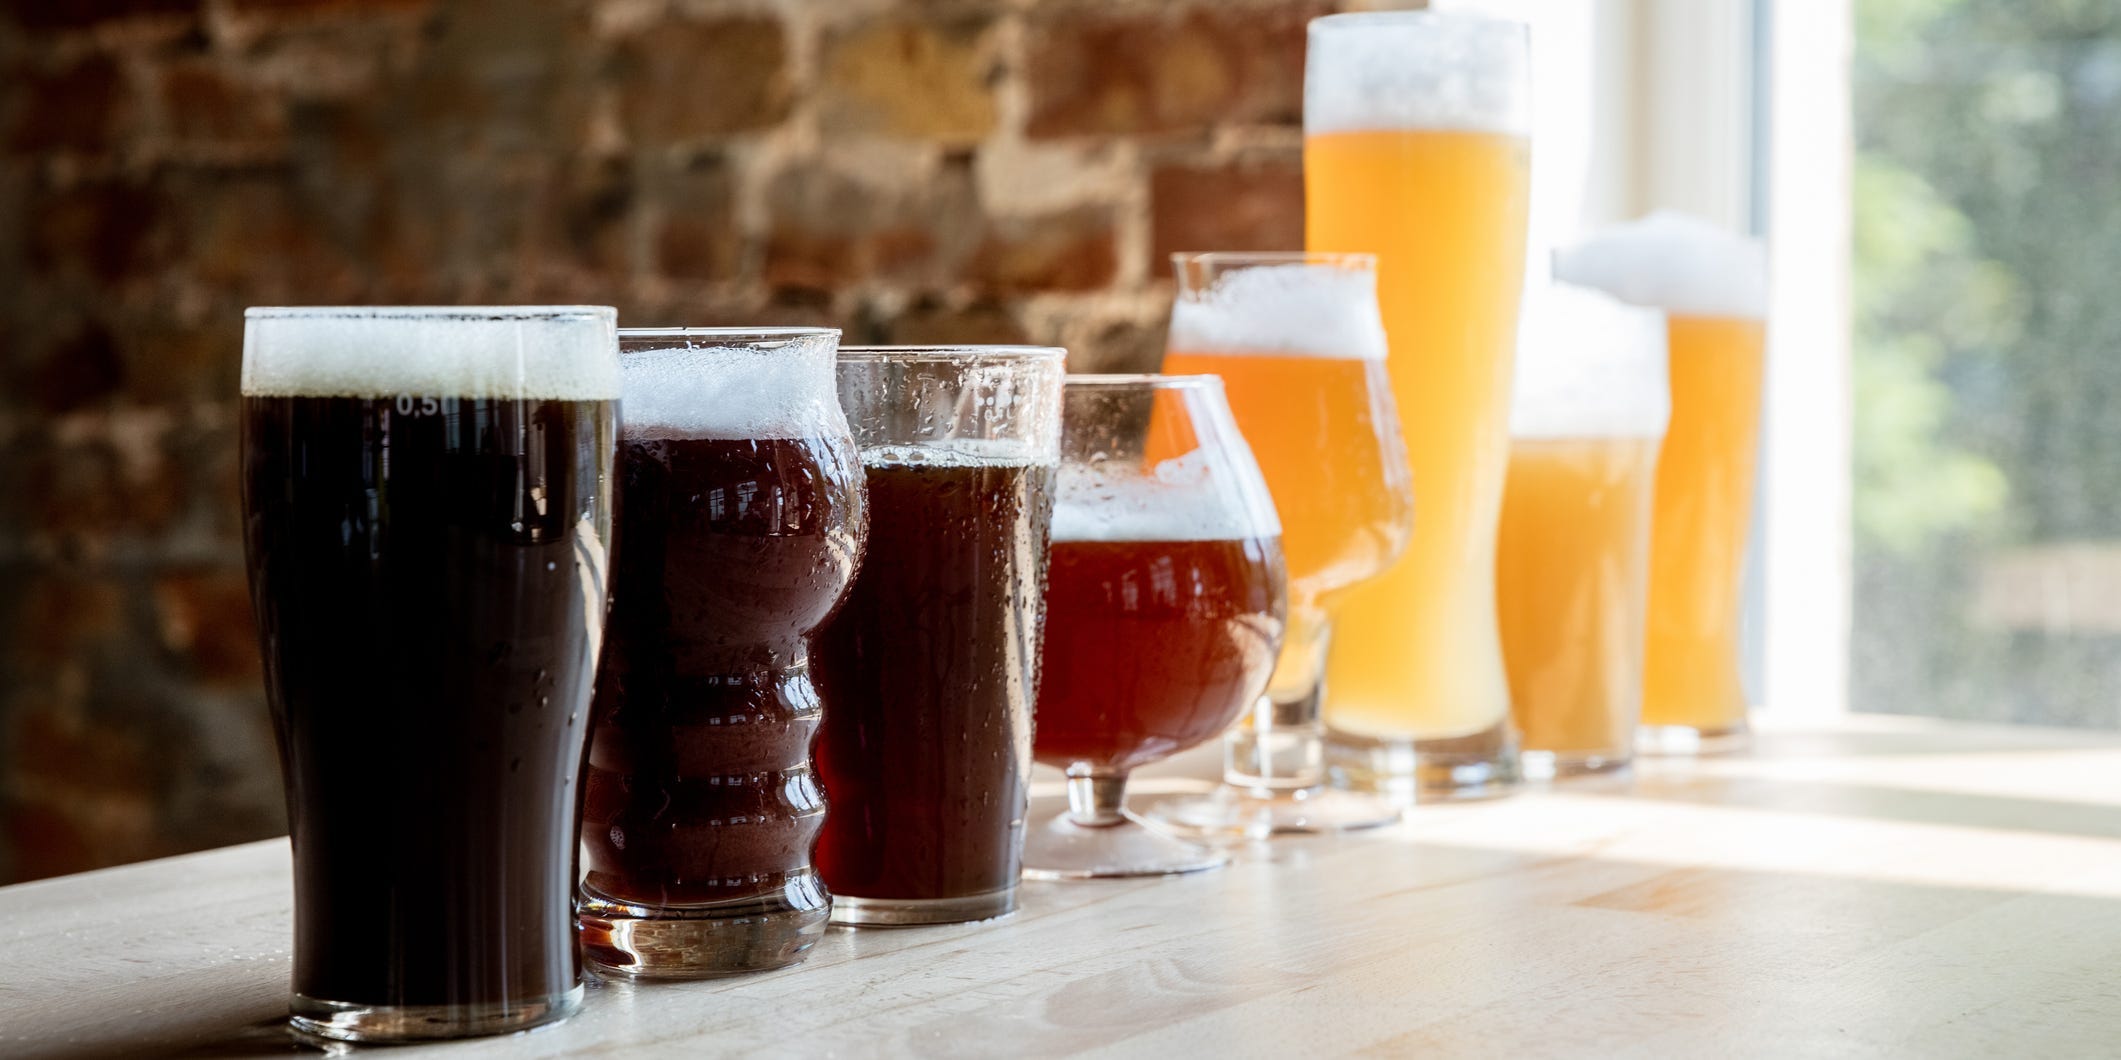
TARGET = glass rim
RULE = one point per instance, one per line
(1359, 259)
(1351, 21)
(1142, 381)
(775, 332)
(431, 312)
(965, 353)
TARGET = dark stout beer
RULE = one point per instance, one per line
(700, 792)
(929, 672)
(428, 575)
(1153, 646)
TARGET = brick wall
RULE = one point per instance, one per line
(908, 170)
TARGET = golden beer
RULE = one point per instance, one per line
(1713, 288)
(1436, 186)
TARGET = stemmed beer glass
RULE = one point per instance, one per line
(1300, 347)
(1165, 604)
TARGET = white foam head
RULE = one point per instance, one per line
(1674, 262)
(1306, 309)
(1417, 70)
(1588, 366)
(712, 383)
(960, 452)
(567, 353)
(1187, 498)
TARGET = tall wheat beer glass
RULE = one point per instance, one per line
(1712, 286)
(1415, 150)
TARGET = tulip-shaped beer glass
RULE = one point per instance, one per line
(1164, 609)
(1300, 348)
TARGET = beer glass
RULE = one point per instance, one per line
(1712, 286)
(741, 514)
(1572, 563)
(1298, 343)
(1164, 609)
(427, 513)
(1415, 150)
(930, 669)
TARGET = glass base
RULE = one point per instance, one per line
(909, 912)
(344, 1021)
(1690, 740)
(1565, 765)
(1059, 849)
(1483, 765)
(1233, 812)
(624, 940)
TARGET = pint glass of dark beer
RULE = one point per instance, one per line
(930, 669)
(740, 524)
(427, 511)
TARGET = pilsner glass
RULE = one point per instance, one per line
(930, 669)
(1297, 341)
(427, 512)
(741, 513)
(1712, 286)
(1164, 609)
(1415, 150)
(1572, 562)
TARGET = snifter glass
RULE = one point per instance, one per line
(741, 515)
(428, 512)
(930, 669)
(1300, 348)
(1164, 609)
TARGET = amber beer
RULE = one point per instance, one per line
(428, 518)
(1713, 288)
(741, 521)
(1415, 150)
(1572, 568)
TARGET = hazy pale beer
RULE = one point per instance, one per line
(1572, 564)
(427, 512)
(1713, 287)
(1416, 151)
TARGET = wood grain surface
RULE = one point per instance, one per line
(1888, 887)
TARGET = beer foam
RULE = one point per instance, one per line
(1674, 262)
(566, 353)
(957, 452)
(1303, 310)
(1588, 366)
(707, 391)
(1188, 498)
(1416, 70)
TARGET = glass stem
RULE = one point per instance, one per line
(1094, 798)
(1279, 749)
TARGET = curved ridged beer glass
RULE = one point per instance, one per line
(929, 671)
(741, 514)
(1164, 609)
(1298, 343)
(1415, 150)
(427, 512)
(1572, 563)
(1712, 286)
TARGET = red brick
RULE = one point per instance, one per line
(684, 81)
(1075, 251)
(263, 241)
(83, 790)
(698, 238)
(205, 619)
(82, 106)
(930, 81)
(206, 108)
(329, 7)
(1122, 346)
(78, 14)
(1230, 207)
(57, 618)
(83, 493)
(105, 231)
(79, 369)
(1096, 73)
(830, 232)
(930, 323)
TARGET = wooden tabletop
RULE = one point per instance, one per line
(1887, 886)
